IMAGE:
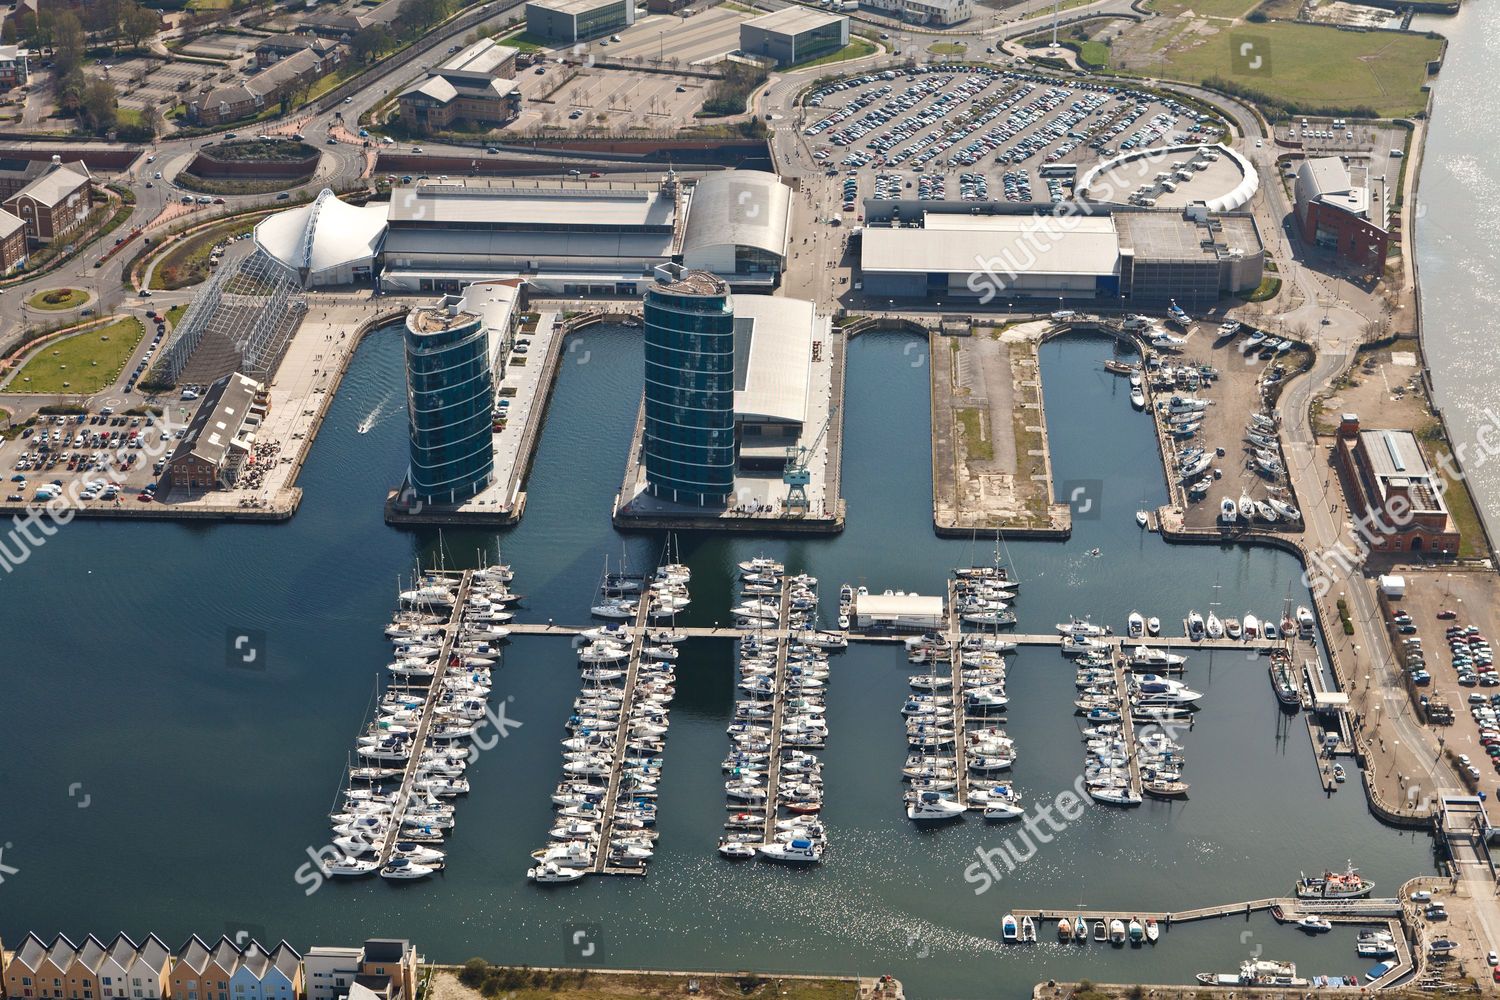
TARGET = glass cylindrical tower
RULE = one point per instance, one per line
(449, 398)
(689, 434)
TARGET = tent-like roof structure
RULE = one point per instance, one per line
(322, 235)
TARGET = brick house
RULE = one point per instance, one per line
(1386, 474)
(55, 203)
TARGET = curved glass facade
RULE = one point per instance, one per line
(449, 397)
(689, 434)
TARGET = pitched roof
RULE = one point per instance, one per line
(62, 951)
(153, 951)
(123, 951)
(91, 953)
(286, 959)
(226, 954)
(56, 184)
(194, 954)
(31, 952)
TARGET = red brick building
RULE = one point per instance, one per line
(1342, 212)
(13, 245)
(55, 203)
(1386, 472)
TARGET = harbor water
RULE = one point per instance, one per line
(156, 781)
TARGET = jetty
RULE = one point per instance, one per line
(1283, 908)
(433, 695)
(601, 864)
(960, 710)
(778, 713)
(1020, 639)
(1127, 717)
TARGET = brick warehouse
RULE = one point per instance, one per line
(1386, 473)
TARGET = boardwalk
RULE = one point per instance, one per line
(778, 714)
(429, 707)
(1127, 719)
(1284, 908)
(960, 710)
(1021, 639)
(621, 747)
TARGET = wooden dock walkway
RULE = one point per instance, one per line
(1021, 639)
(424, 725)
(1127, 719)
(960, 712)
(778, 713)
(1285, 908)
(601, 864)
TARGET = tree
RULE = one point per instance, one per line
(99, 108)
(371, 42)
(70, 89)
(137, 24)
(67, 42)
(151, 120)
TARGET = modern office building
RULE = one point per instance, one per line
(942, 12)
(689, 440)
(794, 34)
(452, 350)
(564, 22)
(1339, 207)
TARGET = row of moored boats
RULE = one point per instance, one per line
(605, 804)
(446, 641)
(773, 774)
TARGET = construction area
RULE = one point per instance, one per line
(991, 467)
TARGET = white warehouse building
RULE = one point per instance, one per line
(737, 227)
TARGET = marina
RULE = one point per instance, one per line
(844, 910)
(446, 639)
(617, 732)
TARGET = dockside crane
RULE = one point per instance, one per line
(796, 475)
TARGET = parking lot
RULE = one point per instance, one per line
(684, 41)
(981, 133)
(573, 97)
(141, 83)
(112, 457)
(1442, 628)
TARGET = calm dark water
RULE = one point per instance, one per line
(206, 784)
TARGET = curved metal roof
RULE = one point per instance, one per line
(740, 208)
(322, 235)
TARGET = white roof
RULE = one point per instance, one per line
(1327, 179)
(773, 381)
(50, 188)
(892, 605)
(749, 208)
(961, 244)
(484, 56)
(9, 223)
(503, 202)
(793, 20)
(325, 234)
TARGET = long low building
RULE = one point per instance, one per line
(899, 612)
(1120, 256)
(793, 34)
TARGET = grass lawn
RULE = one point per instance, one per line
(175, 313)
(1094, 54)
(1317, 65)
(86, 361)
(857, 48)
(527, 984)
(1204, 8)
(58, 299)
(525, 42)
(947, 48)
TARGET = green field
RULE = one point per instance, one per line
(1316, 66)
(58, 299)
(1204, 8)
(947, 48)
(86, 361)
(1093, 54)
